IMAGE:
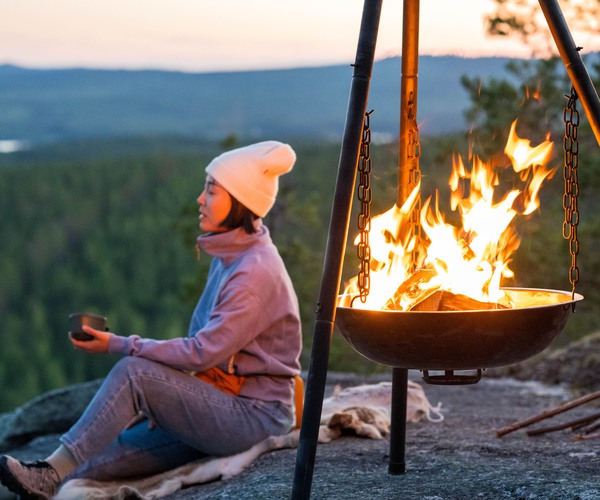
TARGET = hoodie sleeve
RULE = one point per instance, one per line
(239, 316)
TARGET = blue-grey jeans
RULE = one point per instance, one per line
(185, 419)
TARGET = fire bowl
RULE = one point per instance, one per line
(458, 340)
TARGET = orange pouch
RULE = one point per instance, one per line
(226, 382)
(298, 399)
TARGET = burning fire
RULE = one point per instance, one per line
(457, 267)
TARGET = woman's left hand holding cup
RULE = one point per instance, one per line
(98, 344)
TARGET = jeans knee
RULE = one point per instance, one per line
(130, 366)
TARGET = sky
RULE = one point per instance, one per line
(229, 35)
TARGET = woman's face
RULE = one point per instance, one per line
(214, 204)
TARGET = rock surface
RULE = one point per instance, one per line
(51, 412)
(458, 458)
(577, 365)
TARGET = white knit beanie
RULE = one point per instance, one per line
(251, 174)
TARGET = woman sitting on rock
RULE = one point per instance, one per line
(221, 389)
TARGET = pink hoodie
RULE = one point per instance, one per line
(247, 320)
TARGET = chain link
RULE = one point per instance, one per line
(571, 160)
(363, 248)
(414, 153)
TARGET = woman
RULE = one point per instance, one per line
(220, 390)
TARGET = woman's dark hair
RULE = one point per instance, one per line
(240, 216)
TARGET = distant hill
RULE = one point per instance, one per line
(51, 105)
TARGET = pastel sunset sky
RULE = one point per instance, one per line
(229, 35)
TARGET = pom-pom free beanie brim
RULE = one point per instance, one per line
(251, 174)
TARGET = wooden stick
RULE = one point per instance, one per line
(586, 425)
(573, 423)
(591, 428)
(583, 437)
(547, 414)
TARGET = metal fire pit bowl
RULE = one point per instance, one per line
(458, 340)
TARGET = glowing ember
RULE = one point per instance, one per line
(457, 267)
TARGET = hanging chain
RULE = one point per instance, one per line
(571, 160)
(363, 248)
(414, 153)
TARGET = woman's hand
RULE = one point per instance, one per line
(98, 344)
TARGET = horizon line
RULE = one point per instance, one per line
(166, 69)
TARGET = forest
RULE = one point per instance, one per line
(109, 226)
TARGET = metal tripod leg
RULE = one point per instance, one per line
(397, 463)
(569, 54)
(336, 245)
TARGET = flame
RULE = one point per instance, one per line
(470, 259)
(531, 164)
(392, 241)
(533, 94)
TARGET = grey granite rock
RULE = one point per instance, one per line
(458, 458)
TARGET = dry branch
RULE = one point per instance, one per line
(573, 424)
(415, 296)
(547, 414)
(583, 437)
(591, 428)
(410, 290)
(457, 302)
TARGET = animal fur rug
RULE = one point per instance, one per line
(362, 410)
